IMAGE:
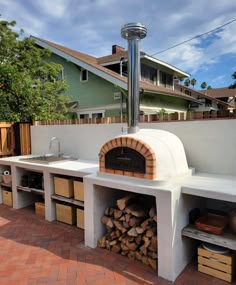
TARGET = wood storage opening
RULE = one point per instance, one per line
(130, 227)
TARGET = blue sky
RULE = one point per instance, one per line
(93, 26)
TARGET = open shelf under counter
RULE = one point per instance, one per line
(226, 239)
(68, 200)
(32, 190)
(5, 185)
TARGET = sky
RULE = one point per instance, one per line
(93, 26)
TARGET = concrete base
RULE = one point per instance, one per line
(174, 253)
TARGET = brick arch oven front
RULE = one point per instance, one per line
(147, 154)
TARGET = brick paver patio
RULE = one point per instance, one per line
(34, 251)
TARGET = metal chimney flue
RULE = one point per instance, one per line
(133, 32)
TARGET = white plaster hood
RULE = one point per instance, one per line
(170, 155)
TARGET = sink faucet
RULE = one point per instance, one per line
(58, 145)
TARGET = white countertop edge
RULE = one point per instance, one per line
(220, 187)
(78, 167)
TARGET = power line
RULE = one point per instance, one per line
(195, 37)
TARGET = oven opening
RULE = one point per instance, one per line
(126, 159)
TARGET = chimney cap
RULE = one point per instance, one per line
(133, 30)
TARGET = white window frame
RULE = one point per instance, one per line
(90, 113)
(81, 75)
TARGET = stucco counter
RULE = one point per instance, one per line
(70, 167)
(213, 186)
(17, 167)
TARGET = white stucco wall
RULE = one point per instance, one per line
(210, 145)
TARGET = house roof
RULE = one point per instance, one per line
(202, 94)
(220, 92)
(151, 88)
(92, 64)
(115, 58)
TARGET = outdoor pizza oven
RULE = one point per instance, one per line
(146, 153)
(149, 154)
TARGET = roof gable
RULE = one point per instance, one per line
(83, 60)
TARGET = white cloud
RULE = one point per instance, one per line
(55, 8)
(92, 26)
(24, 18)
(218, 79)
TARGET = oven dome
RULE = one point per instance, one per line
(163, 153)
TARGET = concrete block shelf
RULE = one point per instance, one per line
(226, 239)
(68, 200)
(24, 195)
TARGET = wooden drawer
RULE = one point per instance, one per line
(80, 218)
(7, 198)
(215, 264)
(63, 187)
(40, 208)
(78, 190)
(65, 214)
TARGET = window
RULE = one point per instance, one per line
(92, 114)
(61, 75)
(97, 115)
(166, 79)
(84, 116)
(84, 75)
(188, 92)
(148, 74)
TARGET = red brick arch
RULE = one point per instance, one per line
(141, 147)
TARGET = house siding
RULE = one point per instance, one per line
(164, 102)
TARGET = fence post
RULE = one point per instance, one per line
(25, 138)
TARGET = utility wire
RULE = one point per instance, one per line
(195, 37)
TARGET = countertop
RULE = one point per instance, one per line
(214, 186)
(70, 167)
(220, 187)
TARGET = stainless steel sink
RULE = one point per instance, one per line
(46, 159)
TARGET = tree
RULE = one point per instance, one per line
(187, 82)
(193, 82)
(204, 85)
(29, 86)
(209, 87)
(232, 86)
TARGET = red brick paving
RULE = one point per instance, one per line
(36, 252)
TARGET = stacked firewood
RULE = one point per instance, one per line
(131, 229)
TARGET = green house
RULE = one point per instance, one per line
(98, 86)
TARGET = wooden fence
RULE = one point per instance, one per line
(7, 139)
(221, 114)
(25, 138)
(14, 139)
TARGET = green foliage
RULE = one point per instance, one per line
(162, 112)
(233, 86)
(193, 82)
(29, 86)
(204, 85)
(187, 82)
